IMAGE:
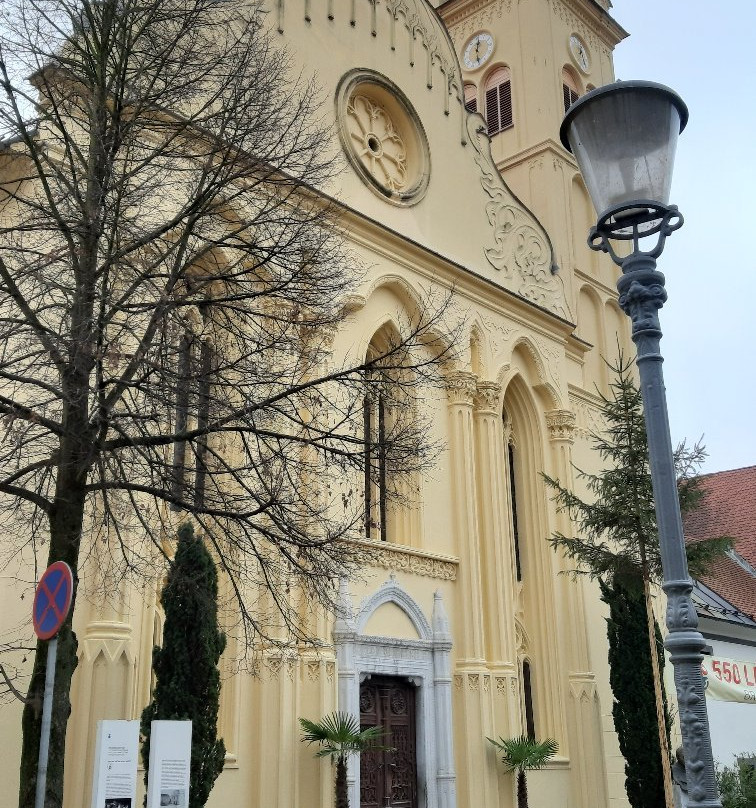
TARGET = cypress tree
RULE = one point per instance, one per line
(187, 679)
(634, 708)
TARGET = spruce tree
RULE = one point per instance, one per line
(187, 679)
(618, 544)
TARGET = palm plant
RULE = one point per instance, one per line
(339, 736)
(524, 754)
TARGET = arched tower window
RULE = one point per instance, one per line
(499, 115)
(570, 88)
(471, 98)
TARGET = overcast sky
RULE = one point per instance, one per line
(705, 52)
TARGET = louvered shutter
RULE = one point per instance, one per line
(499, 110)
(570, 96)
(492, 110)
(506, 118)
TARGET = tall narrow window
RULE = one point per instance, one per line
(375, 474)
(527, 700)
(471, 98)
(513, 504)
(499, 114)
(570, 88)
(194, 369)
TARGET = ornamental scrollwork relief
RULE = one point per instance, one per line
(521, 250)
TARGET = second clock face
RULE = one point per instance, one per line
(478, 50)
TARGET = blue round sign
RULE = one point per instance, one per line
(52, 600)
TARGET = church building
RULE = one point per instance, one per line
(446, 117)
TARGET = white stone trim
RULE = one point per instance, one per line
(425, 662)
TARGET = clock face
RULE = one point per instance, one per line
(478, 50)
(579, 53)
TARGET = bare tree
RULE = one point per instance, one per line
(169, 281)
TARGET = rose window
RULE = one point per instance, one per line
(383, 137)
(377, 143)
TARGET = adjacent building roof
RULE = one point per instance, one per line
(728, 508)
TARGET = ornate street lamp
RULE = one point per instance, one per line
(624, 137)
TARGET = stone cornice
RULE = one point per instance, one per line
(548, 146)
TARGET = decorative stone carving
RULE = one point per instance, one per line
(561, 425)
(383, 137)
(377, 143)
(589, 419)
(461, 387)
(521, 250)
(424, 661)
(487, 397)
(412, 561)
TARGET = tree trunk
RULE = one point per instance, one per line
(342, 792)
(522, 790)
(65, 533)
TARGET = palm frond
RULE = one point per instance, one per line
(523, 753)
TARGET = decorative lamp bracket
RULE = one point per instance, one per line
(632, 222)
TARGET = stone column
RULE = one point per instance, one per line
(585, 732)
(498, 595)
(461, 389)
(477, 781)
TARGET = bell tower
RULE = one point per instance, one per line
(523, 63)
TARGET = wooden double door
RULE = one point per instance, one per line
(388, 778)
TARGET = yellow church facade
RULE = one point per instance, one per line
(461, 627)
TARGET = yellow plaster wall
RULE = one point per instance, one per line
(538, 363)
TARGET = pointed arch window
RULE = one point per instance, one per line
(389, 432)
(499, 114)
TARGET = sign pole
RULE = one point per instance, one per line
(52, 602)
(44, 740)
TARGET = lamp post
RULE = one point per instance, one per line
(624, 136)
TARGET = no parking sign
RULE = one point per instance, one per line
(52, 600)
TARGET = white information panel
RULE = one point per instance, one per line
(115, 765)
(170, 758)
